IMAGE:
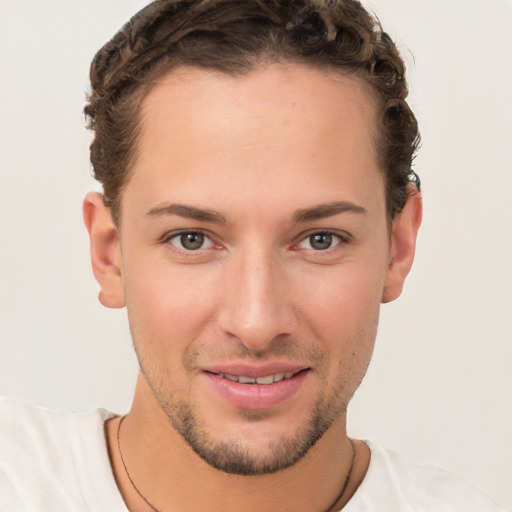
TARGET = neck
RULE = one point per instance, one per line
(171, 476)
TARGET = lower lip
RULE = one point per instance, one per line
(256, 396)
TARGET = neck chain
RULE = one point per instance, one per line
(340, 495)
(347, 479)
(126, 469)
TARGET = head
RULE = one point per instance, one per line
(233, 38)
(255, 158)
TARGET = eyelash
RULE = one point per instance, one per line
(340, 239)
(167, 239)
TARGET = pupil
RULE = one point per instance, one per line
(321, 241)
(192, 241)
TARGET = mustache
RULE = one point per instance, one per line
(279, 348)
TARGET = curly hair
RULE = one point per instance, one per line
(234, 37)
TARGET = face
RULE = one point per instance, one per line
(254, 254)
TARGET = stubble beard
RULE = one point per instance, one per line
(239, 457)
(231, 456)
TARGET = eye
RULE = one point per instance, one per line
(191, 241)
(320, 241)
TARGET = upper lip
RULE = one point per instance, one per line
(255, 370)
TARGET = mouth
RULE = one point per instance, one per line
(256, 388)
(265, 380)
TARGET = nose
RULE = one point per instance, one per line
(257, 306)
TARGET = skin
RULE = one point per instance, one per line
(263, 152)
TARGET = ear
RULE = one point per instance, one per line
(403, 244)
(105, 250)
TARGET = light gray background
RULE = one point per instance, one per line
(440, 385)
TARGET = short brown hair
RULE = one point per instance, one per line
(233, 37)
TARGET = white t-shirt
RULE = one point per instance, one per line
(58, 462)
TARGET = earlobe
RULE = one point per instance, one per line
(105, 250)
(403, 245)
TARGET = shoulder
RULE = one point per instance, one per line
(397, 483)
(36, 432)
(50, 458)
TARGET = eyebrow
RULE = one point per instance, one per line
(189, 212)
(323, 211)
(317, 212)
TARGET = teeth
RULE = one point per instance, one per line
(269, 379)
(246, 380)
(265, 380)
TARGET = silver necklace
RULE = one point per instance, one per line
(328, 509)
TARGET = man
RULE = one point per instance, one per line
(258, 206)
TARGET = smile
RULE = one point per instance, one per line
(269, 379)
(246, 388)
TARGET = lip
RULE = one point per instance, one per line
(255, 370)
(255, 396)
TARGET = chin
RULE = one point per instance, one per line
(257, 444)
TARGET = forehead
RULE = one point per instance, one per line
(272, 130)
(204, 102)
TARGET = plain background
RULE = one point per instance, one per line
(440, 385)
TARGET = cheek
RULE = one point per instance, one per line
(342, 310)
(342, 296)
(169, 307)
